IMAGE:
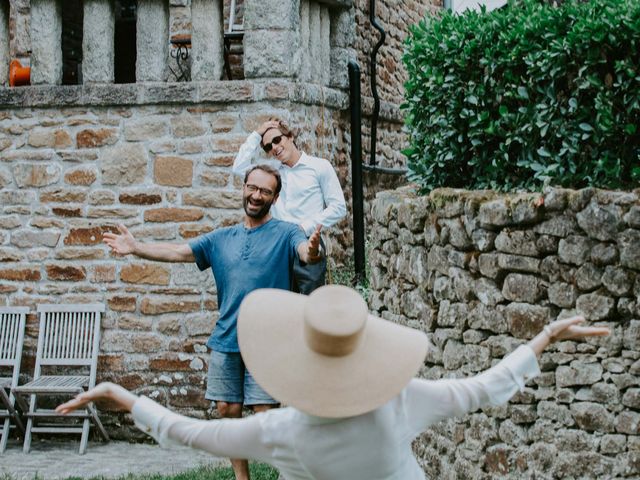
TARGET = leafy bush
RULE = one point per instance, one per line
(526, 96)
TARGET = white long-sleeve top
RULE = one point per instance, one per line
(375, 445)
(311, 194)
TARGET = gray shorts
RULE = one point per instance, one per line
(228, 380)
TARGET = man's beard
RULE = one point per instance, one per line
(261, 213)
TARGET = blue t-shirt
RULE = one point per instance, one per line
(243, 260)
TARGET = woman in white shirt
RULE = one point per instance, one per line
(347, 376)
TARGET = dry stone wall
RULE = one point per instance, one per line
(113, 155)
(482, 273)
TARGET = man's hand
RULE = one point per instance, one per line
(314, 253)
(121, 398)
(122, 244)
(267, 125)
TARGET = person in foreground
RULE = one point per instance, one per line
(348, 378)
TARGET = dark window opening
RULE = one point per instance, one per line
(72, 42)
(125, 41)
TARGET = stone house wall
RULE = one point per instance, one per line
(68, 174)
(483, 272)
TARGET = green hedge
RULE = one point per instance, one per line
(525, 96)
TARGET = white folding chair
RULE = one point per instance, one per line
(12, 323)
(69, 336)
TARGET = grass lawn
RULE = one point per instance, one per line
(259, 471)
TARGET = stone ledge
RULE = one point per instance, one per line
(171, 93)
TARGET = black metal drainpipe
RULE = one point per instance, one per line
(356, 173)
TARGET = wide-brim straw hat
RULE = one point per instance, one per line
(324, 354)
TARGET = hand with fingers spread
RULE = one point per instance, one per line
(120, 397)
(565, 329)
(122, 244)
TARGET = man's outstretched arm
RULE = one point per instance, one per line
(125, 244)
(310, 251)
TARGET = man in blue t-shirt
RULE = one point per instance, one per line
(257, 253)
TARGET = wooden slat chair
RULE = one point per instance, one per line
(12, 324)
(69, 336)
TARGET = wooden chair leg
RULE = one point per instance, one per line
(96, 420)
(5, 435)
(6, 400)
(26, 446)
(85, 436)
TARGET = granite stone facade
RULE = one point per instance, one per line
(483, 272)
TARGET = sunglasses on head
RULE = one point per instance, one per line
(275, 141)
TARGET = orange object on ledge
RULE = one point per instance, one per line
(19, 75)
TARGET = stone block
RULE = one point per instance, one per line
(617, 281)
(20, 274)
(593, 417)
(632, 217)
(588, 277)
(80, 176)
(124, 164)
(121, 303)
(547, 244)
(595, 306)
(103, 274)
(518, 263)
(170, 362)
(629, 246)
(628, 422)
(604, 254)
(173, 215)
(95, 138)
(578, 374)
(612, 444)
(25, 238)
(136, 198)
(524, 320)
(8, 222)
(10, 255)
(561, 226)
(519, 242)
(574, 249)
(157, 306)
(46, 39)
(173, 171)
(522, 288)
(152, 47)
(67, 273)
(600, 222)
(87, 235)
(631, 398)
(495, 213)
(63, 195)
(209, 198)
(145, 274)
(194, 230)
(98, 42)
(282, 60)
(207, 40)
(28, 175)
(138, 130)
(562, 294)
(47, 138)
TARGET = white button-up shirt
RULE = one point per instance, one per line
(375, 445)
(311, 194)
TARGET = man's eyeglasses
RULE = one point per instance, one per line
(254, 188)
(274, 141)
